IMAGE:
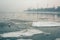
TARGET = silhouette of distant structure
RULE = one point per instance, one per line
(53, 9)
(43, 14)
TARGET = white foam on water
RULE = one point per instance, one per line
(24, 39)
(57, 38)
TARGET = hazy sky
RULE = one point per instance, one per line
(18, 5)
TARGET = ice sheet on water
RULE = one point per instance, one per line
(26, 32)
(39, 24)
